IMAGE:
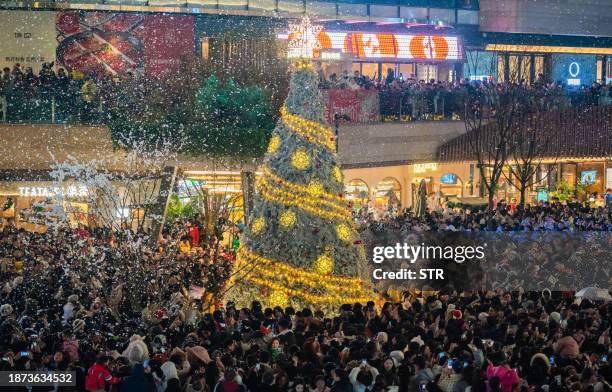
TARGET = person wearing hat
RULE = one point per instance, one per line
(137, 350)
(179, 358)
(198, 357)
(423, 374)
(455, 326)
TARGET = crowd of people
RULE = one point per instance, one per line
(543, 216)
(421, 99)
(60, 96)
(55, 94)
(121, 314)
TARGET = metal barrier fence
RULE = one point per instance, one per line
(362, 107)
(407, 106)
(50, 110)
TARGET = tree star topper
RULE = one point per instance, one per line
(303, 39)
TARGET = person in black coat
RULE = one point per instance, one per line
(341, 381)
(285, 334)
(137, 382)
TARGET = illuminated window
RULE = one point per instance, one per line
(357, 192)
(369, 69)
(525, 68)
(388, 192)
(501, 68)
(539, 65)
(205, 46)
(513, 68)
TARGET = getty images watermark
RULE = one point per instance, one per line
(407, 253)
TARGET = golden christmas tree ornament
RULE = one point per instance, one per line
(300, 160)
(315, 188)
(259, 224)
(344, 232)
(287, 219)
(324, 264)
(278, 298)
(274, 144)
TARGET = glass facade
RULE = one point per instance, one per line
(449, 12)
(516, 67)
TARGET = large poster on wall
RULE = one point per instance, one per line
(27, 38)
(360, 106)
(114, 43)
(574, 70)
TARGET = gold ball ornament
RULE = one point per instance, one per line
(337, 174)
(287, 219)
(343, 232)
(324, 265)
(274, 144)
(278, 298)
(300, 160)
(315, 188)
(259, 224)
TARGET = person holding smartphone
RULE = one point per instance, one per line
(363, 376)
(423, 374)
(452, 376)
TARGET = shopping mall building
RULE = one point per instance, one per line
(387, 142)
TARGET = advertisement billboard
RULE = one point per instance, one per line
(356, 106)
(27, 38)
(574, 70)
(113, 43)
(363, 45)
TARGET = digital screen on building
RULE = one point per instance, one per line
(448, 178)
(542, 194)
(574, 70)
(587, 177)
(363, 45)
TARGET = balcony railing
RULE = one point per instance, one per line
(352, 106)
(405, 105)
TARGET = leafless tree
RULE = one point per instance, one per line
(531, 138)
(490, 116)
(117, 199)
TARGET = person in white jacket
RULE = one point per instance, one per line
(362, 377)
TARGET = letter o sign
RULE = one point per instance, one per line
(574, 69)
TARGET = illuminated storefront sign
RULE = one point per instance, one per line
(574, 70)
(425, 167)
(47, 191)
(449, 179)
(365, 45)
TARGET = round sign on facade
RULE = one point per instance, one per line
(574, 69)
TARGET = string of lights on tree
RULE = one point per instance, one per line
(301, 247)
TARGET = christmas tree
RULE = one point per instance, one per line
(300, 247)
